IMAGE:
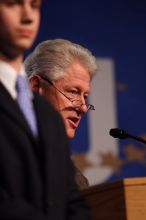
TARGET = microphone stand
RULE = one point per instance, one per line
(121, 134)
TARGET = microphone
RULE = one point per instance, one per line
(119, 133)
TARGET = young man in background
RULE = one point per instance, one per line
(36, 176)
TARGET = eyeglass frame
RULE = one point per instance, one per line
(89, 106)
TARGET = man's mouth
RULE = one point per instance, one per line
(74, 121)
(25, 32)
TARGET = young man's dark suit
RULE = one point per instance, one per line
(36, 177)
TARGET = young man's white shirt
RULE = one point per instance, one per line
(8, 77)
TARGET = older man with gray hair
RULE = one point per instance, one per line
(61, 71)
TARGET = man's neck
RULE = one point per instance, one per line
(16, 63)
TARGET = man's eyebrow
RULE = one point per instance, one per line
(78, 88)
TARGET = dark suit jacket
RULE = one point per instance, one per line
(36, 176)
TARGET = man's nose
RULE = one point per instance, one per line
(83, 107)
(27, 14)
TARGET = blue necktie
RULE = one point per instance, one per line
(25, 103)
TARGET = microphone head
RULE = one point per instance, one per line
(118, 133)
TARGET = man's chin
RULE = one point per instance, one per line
(70, 133)
(24, 44)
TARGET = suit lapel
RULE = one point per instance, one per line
(10, 107)
(41, 117)
(46, 131)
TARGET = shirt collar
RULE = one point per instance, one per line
(8, 77)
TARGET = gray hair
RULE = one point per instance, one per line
(52, 57)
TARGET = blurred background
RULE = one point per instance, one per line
(115, 32)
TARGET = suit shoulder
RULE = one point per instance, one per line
(46, 109)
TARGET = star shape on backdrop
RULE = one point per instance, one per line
(81, 161)
(134, 153)
(121, 87)
(111, 160)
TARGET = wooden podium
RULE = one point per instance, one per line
(121, 200)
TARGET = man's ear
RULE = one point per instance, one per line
(35, 83)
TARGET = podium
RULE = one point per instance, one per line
(121, 200)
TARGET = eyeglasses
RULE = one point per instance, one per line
(76, 103)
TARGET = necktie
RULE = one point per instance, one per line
(25, 103)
